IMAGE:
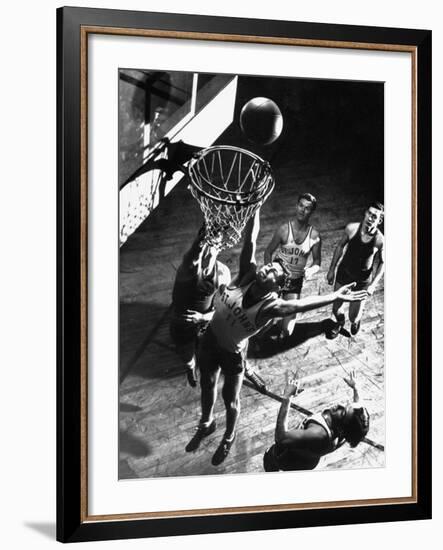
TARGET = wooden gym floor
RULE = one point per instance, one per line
(159, 411)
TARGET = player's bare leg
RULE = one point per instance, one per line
(355, 315)
(231, 397)
(187, 353)
(208, 384)
(338, 312)
(207, 425)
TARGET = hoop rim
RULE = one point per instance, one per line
(212, 148)
(243, 203)
(245, 194)
(267, 182)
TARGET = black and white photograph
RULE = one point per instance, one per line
(251, 274)
(220, 233)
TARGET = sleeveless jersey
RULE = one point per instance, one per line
(357, 260)
(294, 255)
(233, 324)
(194, 292)
(319, 419)
(281, 457)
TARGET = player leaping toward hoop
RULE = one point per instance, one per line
(196, 281)
(241, 310)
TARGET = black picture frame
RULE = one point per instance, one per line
(73, 522)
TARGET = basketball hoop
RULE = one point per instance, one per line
(230, 184)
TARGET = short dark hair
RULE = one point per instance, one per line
(285, 275)
(356, 429)
(310, 198)
(377, 206)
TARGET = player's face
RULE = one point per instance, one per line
(372, 219)
(341, 414)
(338, 413)
(303, 210)
(269, 276)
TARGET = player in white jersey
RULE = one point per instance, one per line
(292, 243)
(242, 309)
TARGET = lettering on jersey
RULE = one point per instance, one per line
(291, 250)
(236, 313)
(295, 256)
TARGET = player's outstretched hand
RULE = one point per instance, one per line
(351, 379)
(292, 388)
(346, 293)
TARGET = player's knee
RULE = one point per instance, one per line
(232, 404)
(207, 382)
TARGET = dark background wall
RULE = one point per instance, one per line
(330, 122)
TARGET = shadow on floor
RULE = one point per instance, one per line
(267, 346)
(139, 325)
(125, 471)
(128, 408)
(133, 446)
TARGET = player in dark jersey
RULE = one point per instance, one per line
(361, 244)
(319, 434)
(196, 281)
(242, 309)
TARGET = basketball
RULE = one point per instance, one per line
(261, 120)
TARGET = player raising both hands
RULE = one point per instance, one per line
(319, 434)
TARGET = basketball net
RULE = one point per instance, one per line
(230, 184)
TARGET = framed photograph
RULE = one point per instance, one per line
(244, 274)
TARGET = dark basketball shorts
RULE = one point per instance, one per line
(211, 356)
(293, 286)
(344, 277)
(271, 461)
